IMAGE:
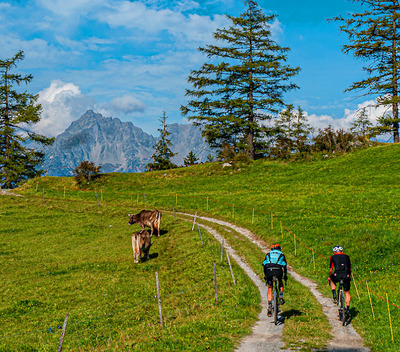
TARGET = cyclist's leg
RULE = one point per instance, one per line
(269, 293)
(269, 298)
(346, 288)
(280, 284)
(333, 288)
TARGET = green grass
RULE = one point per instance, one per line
(66, 256)
(350, 199)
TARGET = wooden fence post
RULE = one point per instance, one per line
(215, 284)
(43, 194)
(144, 197)
(355, 285)
(201, 238)
(230, 266)
(390, 318)
(313, 258)
(97, 198)
(222, 248)
(370, 300)
(159, 300)
(194, 220)
(63, 333)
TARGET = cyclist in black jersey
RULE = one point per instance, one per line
(340, 268)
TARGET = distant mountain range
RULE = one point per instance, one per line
(116, 146)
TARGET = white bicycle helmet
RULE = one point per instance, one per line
(337, 249)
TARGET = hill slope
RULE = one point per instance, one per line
(308, 207)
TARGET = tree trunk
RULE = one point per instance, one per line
(250, 135)
(395, 107)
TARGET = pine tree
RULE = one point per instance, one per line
(190, 159)
(374, 37)
(162, 150)
(18, 112)
(243, 86)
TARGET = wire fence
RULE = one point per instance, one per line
(207, 204)
(173, 200)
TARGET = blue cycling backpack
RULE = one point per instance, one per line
(275, 257)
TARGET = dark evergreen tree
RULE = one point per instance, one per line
(190, 159)
(19, 110)
(162, 150)
(374, 37)
(243, 86)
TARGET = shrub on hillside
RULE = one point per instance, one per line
(330, 141)
(86, 172)
(241, 160)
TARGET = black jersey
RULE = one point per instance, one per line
(340, 262)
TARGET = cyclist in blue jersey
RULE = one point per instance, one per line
(275, 265)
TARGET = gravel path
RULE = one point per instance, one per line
(266, 336)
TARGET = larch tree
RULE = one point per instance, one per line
(162, 150)
(292, 133)
(374, 37)
(242, 84)
(19, 110)
(362, 125)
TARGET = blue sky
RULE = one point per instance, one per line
(131, 59)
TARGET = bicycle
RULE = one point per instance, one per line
(341, 303)
(275, 300)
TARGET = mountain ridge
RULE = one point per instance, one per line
(116, 145)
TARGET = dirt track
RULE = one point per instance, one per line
(266, 336)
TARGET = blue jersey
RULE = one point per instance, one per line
(275, 257)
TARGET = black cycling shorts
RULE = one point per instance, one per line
(336, 277)
(271, 272)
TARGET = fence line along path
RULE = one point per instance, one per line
(266, 336)
(345, 338)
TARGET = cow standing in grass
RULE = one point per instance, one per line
(141, 243)
(147, 218)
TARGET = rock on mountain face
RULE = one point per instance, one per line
(115, 145)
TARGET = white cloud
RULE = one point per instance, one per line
(125, 104)
(62, 103)
(323, 121)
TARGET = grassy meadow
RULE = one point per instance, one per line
(74, 256)
(64, 253)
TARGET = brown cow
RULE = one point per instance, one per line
(141, 243)
(147, 218)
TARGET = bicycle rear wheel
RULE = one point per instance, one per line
(342, 308)
(275, 305)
